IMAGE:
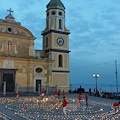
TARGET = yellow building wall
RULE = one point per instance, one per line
(20, 47)
(26, 75)
(65, 61)
(65, 46)
(21, 73)
(61, 80)
(52, 41)
(49, 41)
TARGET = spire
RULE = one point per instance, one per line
(53, 4)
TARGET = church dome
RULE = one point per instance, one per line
(53, 4)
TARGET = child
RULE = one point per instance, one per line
(43, 92)
(56, 93)
(52, 94)
(17, 95)
(79, 98)
(64, 105)
(116, 106)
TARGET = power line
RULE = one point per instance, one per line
(91, 65)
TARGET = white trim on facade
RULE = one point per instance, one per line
(57, 21)
(39, 66)
(59, 68)
(37, 78)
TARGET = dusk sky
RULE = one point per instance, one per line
(94, 39)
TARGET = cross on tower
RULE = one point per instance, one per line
(10, 10)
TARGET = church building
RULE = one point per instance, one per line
(22, 65)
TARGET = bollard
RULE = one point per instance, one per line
(39, 89)
(16, 88)
(4, 88)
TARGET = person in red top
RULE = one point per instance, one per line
(86, 97)
(79, 98)
(56, 93)
(64, 105)
(116, 106)
(43, 92)
(17, 95)
(52, 94)
(63, 93)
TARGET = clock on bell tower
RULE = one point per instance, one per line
(56, 42)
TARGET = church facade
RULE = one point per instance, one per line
(21, 64)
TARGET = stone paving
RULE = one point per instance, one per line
(34, 108)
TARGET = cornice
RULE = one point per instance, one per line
(27, 59)
(55, 31)
(16, 36)
(56, 50)
(61, 71)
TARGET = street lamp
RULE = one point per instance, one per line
(96, 76)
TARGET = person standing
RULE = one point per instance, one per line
(17, 96)
(79, 98)
(63, 93)
(116, 106)
(86, 97)
(89, 91)
(64, 105)
(56, 93)
(59, 92)
(52, 94)
(43, 93)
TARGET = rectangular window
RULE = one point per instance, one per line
(47, 42)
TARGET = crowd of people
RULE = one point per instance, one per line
(106, 94)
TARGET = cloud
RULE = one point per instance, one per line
(94, 26)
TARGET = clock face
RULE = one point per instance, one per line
(60, 41)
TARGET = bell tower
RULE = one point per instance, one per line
(56, 44)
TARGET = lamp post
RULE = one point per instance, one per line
(96, 76)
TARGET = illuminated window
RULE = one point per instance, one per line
(60, 24)
(9, 46)
(60, 60)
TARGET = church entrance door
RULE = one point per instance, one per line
(10, 85)
(37, 84)
(8, 76)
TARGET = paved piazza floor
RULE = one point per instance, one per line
(33, 108)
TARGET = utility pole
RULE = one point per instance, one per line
(116, 76)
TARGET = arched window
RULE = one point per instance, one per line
(60, 61)
(47, 42)
(9, 46)
(60, 24)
